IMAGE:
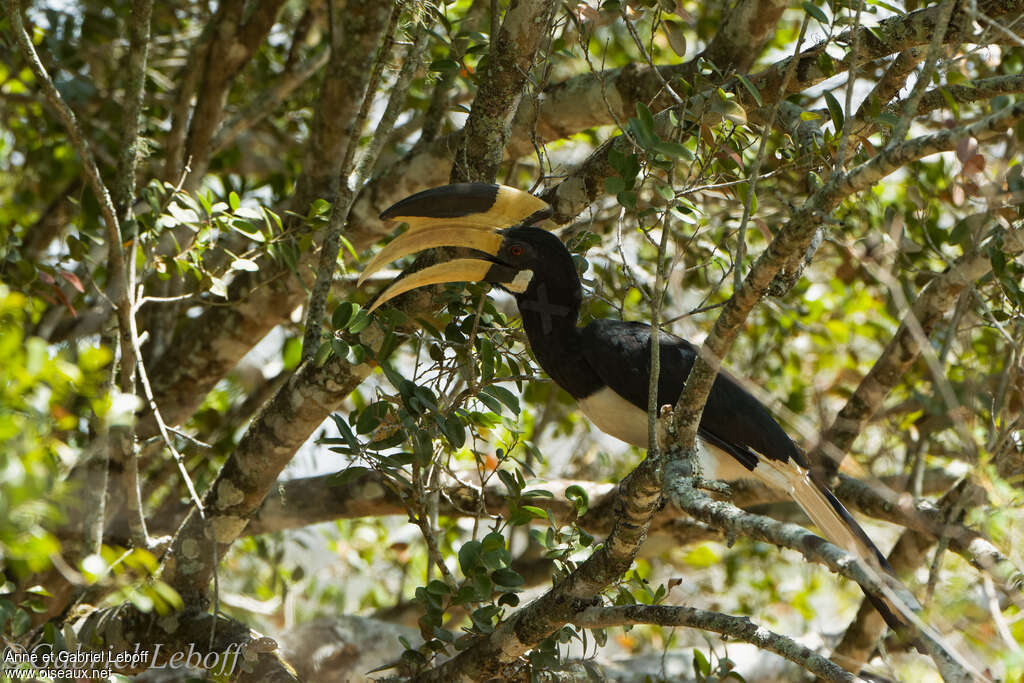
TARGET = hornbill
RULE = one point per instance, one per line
(605, 365)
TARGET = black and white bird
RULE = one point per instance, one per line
(605, 365)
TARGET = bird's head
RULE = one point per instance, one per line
(491, 219)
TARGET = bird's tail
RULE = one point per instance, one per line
(840, 528)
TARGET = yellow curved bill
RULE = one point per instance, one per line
(456, 270)
(505, 206)
(419, 238)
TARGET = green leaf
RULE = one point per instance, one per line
(952, 103)
(438, 587)
(750, 88)
(835, 111)
(626, 165)
(339, 347)
(323, 352)
(482, 585)
(370, 417)
(701, 665)
(469, 557)
(249, 213)
(645, 117)
(445, 65)
(483, 618)
(673, 150)
(826, 64)
(510, 483)
(359, 322)
(345, 431)
(614, 184)
(816, 12)
(348, 247)
(348, 475)
(517, 516)
(507, 578)
(233, 201)
(492, 541)
(536, 512)
(578, 495)
(20, 623)
(454, 430)
(644, 137)
(291, 354)
(319, 207)
(490, 401)
(898, 11)
(503, 395)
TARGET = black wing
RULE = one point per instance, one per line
(733, 420)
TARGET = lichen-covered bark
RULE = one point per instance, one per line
(749, 25)
(236, 38)
(930, 306)
(251, 471)
(734, 628)
(638, 499)
(501, 81)
(123, 628)
(357, 31)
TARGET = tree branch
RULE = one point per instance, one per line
(734, 628)
(930, 306)
(639, 496)
(354, 40)
(793, 239)
(236, 38)
(120, 629)
(861, 637)
(268, 101)
(301, 405)
(680, 490)
(747, 28)
(513, 51)
(925, 517)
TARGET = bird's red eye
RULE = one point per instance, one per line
(515, 250)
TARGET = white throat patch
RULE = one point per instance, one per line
(520, 282)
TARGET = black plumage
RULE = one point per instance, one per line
(605, 365)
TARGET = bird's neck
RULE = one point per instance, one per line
(550, 312)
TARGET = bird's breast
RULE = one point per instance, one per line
(615, 416)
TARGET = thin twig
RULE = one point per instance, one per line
(930, 62)
(748, 202)
(343, 203)
(844, 139)
(120, 288)
(624, 11)
(737, 628)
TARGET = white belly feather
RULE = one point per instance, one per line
(617, 417)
